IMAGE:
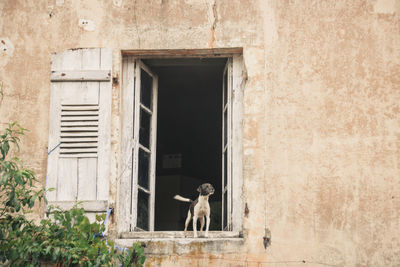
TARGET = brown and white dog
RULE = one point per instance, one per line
(199, 209)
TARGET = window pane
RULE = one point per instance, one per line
(225, 127)
(225, 86)
(143, 172)
(225, 211)
(143, 211)
(132, 180)
(146, 88)
(133, 115)
(144, 132)
(225, 168)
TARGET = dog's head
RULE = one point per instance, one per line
(206, 189)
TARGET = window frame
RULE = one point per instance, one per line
(236, 92)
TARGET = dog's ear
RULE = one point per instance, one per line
(199, 189)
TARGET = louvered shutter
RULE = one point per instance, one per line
(80, 114)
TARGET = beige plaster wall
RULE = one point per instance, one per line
(321, 110)
(332, 131)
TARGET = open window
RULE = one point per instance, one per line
(181, 128)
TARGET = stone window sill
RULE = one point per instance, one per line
(168, 243)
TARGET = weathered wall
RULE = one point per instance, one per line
(332, 135)
(322, 110)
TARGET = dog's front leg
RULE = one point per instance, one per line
(194, 226)
(207, 225)
(201, 219)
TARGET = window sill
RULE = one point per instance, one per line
(168, 243)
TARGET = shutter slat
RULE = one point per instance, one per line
(79, 155)
(79, 145)
(73, 150)
(80, 108)
(78, 139)
(74, 112)
(80, 75)
(83, 123)
(78, 134)
(79, 129)
(79, 117)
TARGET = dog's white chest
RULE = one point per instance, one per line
(202, 208)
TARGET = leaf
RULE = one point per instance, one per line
(141, 260)
(4, 149)
(32, 201)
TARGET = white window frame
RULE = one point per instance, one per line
(132, 108)
(236, 115)
(226, 147)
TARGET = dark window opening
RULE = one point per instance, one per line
(189, 136)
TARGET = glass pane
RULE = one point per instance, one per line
(146, 88)
(225, 127)
(225, 211)
(225, 168)
(143, 211)
(132, 180)
(144, 132)
(143, 172)
(225, 86)
(133, 115)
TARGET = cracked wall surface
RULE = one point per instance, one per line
(321, 130)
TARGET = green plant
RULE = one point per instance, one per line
(16, 182)
(63, 238)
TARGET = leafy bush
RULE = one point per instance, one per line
(63, 238)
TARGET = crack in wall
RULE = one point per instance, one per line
(213, 26)
(135, 20)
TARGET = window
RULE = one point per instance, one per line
(181, 127)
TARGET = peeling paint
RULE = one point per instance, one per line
(6, 50)
(59, 2)
(87, 25)
(387, 6)
(117, 3)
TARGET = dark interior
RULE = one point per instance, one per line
(188, 137)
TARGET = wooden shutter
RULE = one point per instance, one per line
(80, 114)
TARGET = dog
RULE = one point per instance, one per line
(199, 209)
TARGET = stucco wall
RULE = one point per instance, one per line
(333, 131)
(321, 110)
